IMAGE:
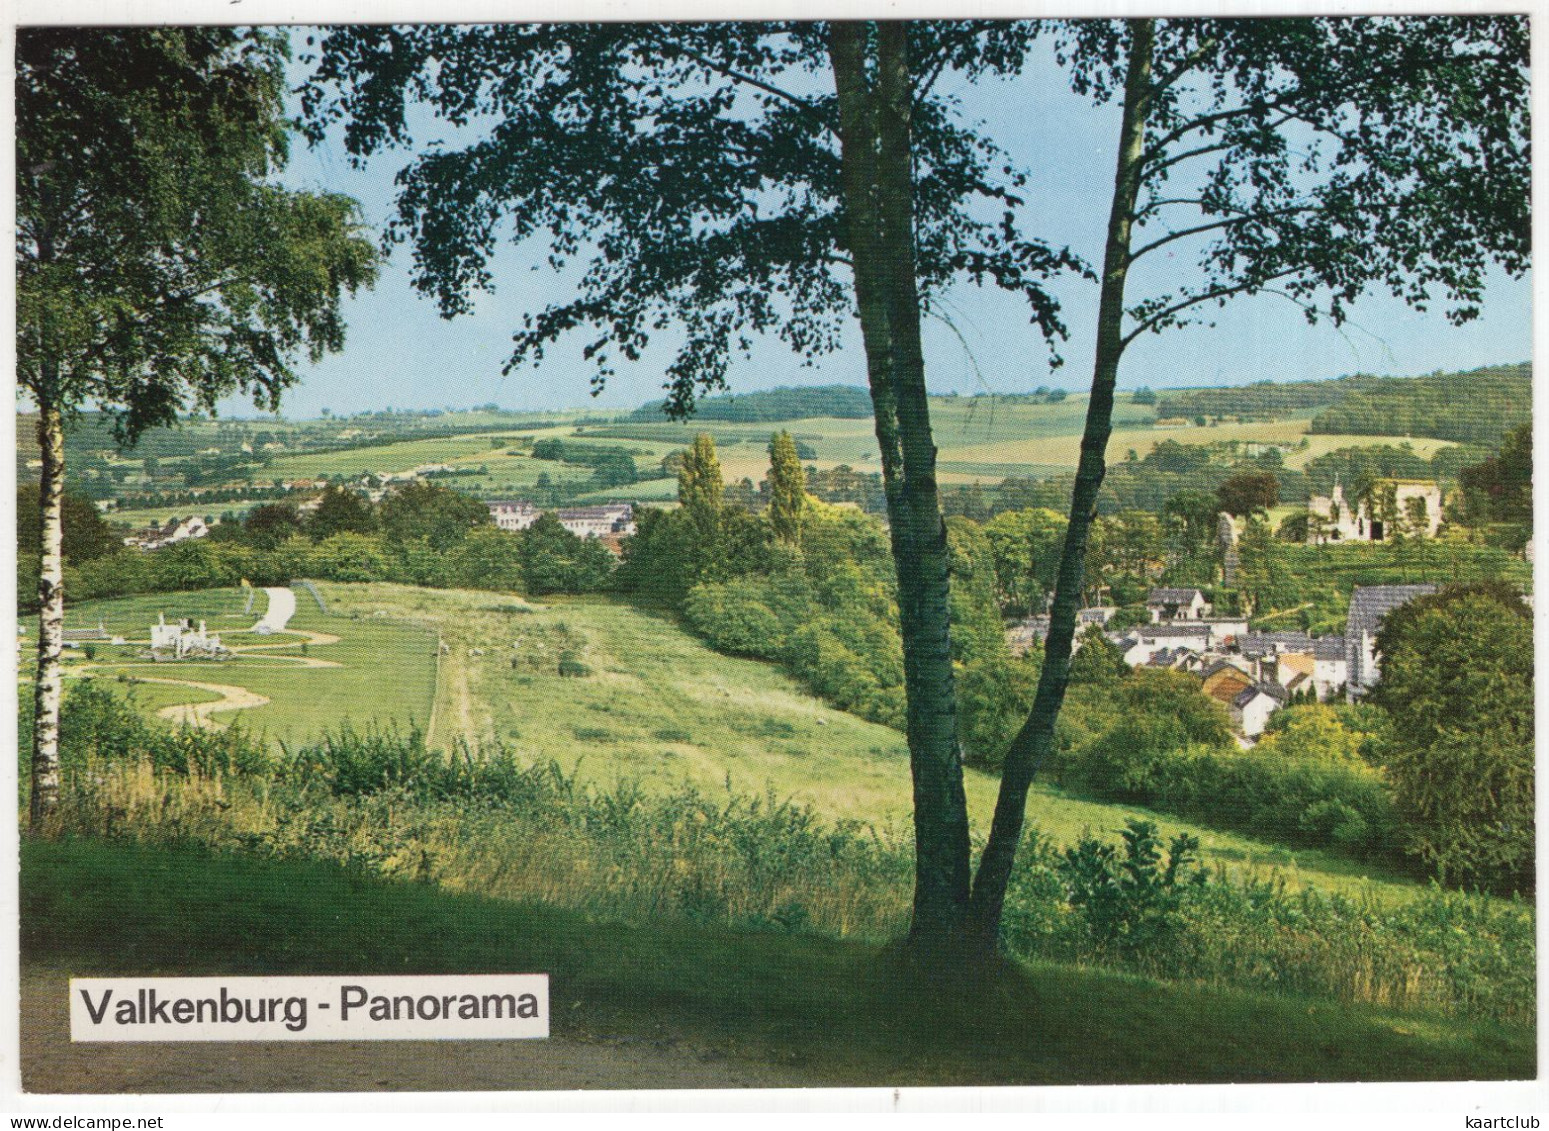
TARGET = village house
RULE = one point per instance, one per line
(1369, 605)
(1251, 708)
(608, 522)
(513, 514)
(176, 530)
(1177, 604)
(1022, 635)
(617, 519)
(1224, 680)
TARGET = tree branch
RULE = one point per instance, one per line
(1205, 121)
(749, 80)
(1185, 65)
(1206, 296)
(1152, 169)
(1245, 218)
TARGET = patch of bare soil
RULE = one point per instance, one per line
(50, 1063)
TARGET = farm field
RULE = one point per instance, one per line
(980, 440)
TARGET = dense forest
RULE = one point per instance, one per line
(1265, 399)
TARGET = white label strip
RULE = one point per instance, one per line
(334, 1008)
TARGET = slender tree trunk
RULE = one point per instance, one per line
(1036, 738)
(875, 107)
(51, 617)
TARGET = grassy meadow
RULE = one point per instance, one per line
(658, 709)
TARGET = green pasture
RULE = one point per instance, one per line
(402, 455)
(144, 516)
(1321, 445)
(657, 707)
(152, 697)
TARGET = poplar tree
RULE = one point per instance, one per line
(787, 488)
(701, 488)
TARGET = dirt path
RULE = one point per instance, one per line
(198, 714)
(282, 606)
(51, 1063)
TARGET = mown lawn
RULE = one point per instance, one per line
(847, 1013)
(385, 673)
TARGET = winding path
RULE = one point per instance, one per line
(282, 606)
(198, 714)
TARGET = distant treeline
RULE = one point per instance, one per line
(1472, 408)
(849, 402)
(1262, 398)
(1475, 407)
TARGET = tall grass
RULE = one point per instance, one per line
(487, 822)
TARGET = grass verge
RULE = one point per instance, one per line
(847, 1013)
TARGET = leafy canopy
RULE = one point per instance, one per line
(1315, 158)
(156, 260)
(1457, 682)
(693, 169)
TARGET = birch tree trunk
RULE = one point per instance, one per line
(875, 106)
(1036, 738)
(51, 618)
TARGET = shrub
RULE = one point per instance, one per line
(571, 667)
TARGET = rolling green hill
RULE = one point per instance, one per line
(659, 709)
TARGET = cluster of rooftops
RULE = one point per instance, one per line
(1253, 674)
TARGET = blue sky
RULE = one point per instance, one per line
(401, 353)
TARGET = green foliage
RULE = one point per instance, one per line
(1378, 406)
(87, 535)
(1154, 740)
(787, 488)
(1026, 548)
(98, 726)
(340, 511)
(1457, 681)
(1331, 732)
(553, 560)
(1264, 400)
(700, 484)
(1356, 469)
(1247, 492)
(268, 525)
(1506, 480)
(1497, 397)
(1130, 903)
(826, 613)
(846, 402)
(529, 833)
(1098, 662)
(666, 207)
(430, 513)
(157, 260)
